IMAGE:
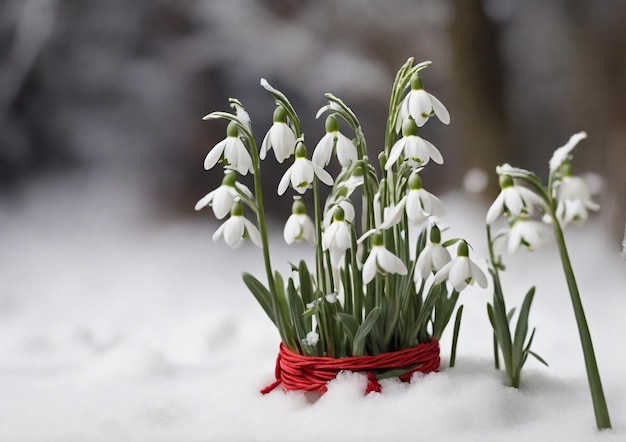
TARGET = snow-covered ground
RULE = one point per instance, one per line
(119, 323)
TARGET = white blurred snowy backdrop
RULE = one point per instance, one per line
(109, 280)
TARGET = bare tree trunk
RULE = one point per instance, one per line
(598, 99)
(479, 80)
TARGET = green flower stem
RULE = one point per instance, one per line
(319, 253)
(593, 376)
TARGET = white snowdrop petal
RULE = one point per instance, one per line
(442, 274)
(223, 201)
(395, 153)
(370, 267)
(284, 181)
(513, 200)
(233, 230)
(253, 232)
(434, 153)
(440, 110)
(459, 272)
(214, 154)
(204, 201)
(495, 209)
(324, 176)
(477, 274)
(390, 262)
(323, 150)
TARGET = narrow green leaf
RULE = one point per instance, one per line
(455, 335)
(358, 347)
(521, 329)
(349, 323)
(262, 294)
(296, 310)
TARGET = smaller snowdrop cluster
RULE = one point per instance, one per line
(382, 281)
(534, 213)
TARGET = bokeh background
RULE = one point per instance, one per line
(117, 89)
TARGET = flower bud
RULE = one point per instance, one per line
(232, 130)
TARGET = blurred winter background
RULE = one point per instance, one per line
(104, 267)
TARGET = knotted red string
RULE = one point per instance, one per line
(298, 372)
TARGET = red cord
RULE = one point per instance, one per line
(298, 372)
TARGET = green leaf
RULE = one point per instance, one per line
(455, 335)
(262, 294)
(306, 283)
(296, 310)
(539, 358)
(521, 329)
(358, 347)
(349, 323)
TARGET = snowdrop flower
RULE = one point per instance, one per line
(574, 199)
(232, 151)
(421, 204)
(337, 238)
(280, 137)
(416, 150)
(381, 260)
(422, 105)
(346, 150)
(528, 233)
(433, 257)
(562, 154)
(223, 198)
(299, 225)
(347, 206)
(355, 180)
(513, 200)
(237, 228)
(461, 271)
(302, 172)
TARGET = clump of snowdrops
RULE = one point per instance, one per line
(534, 213)
(381, 276)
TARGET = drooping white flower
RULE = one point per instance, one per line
(381, 260)
(334, 140)
(433, 257)
(562, 154)
(223, 198)
(232, 151)
(421, 204)
(237, 228)
(337, 237)
(302, 172)
(280, 137)
(513, 200)
(345, 204)
(422, 105)
(415, 150)
(528, 233)
(461, 271)
(573, 200)
(299, 225)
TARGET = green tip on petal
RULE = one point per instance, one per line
(229, 178)
(332, 125)
(505, 181)
(237, 209)
(415, 182)
(435, 234)
(232, 130)
(298, 207)
(409, 127)
(280, 116)
(339, 214)
(463, 249)
(376, 240)
(300, 150)
(416, 82)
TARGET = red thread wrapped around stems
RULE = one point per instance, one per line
(298, 372)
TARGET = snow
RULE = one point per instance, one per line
(121, 322)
